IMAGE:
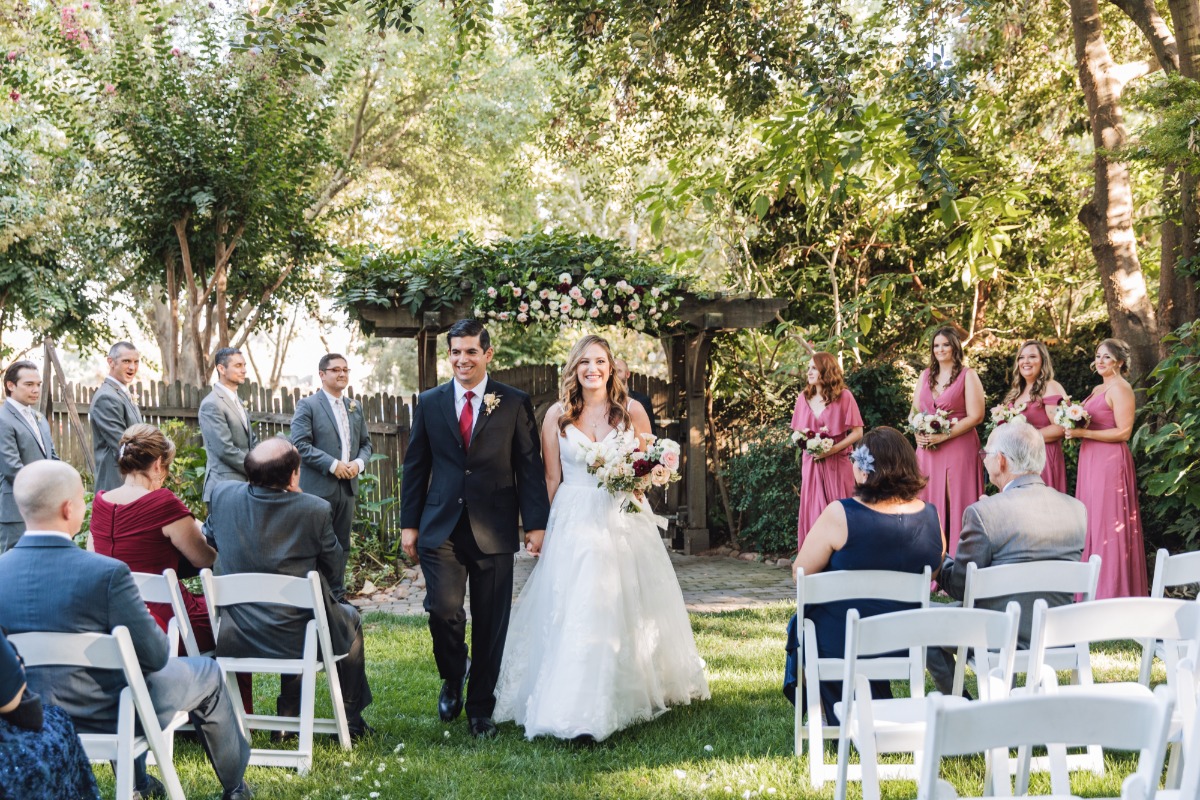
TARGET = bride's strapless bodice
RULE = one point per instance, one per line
(571, 457)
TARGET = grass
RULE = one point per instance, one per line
(747, 724)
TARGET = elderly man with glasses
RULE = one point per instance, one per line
(1026, 521)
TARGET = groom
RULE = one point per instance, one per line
(473, 463)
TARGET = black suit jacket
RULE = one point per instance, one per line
(647, 404)
(497, 478)
(283, 533)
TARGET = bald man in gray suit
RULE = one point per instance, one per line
(1027, 521)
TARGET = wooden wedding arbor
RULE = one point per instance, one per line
(687, 347)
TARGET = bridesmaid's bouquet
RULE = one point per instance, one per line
(1070, 415)
(623, 470)
(1006, 412)
(816, 443)
(931, 424)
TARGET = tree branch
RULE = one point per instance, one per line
(1145, 15)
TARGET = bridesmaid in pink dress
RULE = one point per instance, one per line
(1107, 480)
(1033, 384)
(950, 460)
(825, 405)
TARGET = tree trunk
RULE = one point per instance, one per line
(1177, 300)
(1108, 216)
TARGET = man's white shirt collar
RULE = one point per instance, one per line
(480, 389)
(228, 392)
(66, 536)
(19, 406)
(124, 387)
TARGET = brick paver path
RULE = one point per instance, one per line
(709, 583)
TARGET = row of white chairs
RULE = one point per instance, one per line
(1061, 642)
(115, 651)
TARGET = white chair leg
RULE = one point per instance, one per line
(1174, 775)
(339, 707)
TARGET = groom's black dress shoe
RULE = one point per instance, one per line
(450, 701)
(482, 727)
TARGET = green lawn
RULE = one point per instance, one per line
(738, 742)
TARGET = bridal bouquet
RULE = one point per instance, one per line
(931, 424)
(622, 470)
(1005, 412)
(816, 443)
(1071, 415)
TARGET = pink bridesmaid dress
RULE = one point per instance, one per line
(1055, 471)
(832, 478)
(954, 469)
(1107, 486)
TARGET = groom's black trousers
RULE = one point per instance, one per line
(448, 569)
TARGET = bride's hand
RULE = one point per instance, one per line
(533, 542)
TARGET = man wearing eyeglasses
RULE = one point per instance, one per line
(330, 431)
(1026, 521)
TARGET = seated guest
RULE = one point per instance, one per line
(883, 526)
(40, 755)
(145, 525)
(1027, 521)
(47, 583)
(269, 525)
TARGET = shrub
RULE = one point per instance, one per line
(764, 482)
(884, 392)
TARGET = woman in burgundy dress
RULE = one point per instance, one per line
(950, 460)
(146, 526)
(827, 406)
(1033, 384)
(1107, 481)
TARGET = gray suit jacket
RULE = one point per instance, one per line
(256, 529)
(47, 583)
(227, 440)
(1028, 521)
(110, 414)
(315, 434)
(18, 447)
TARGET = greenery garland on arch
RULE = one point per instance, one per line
(535, 279)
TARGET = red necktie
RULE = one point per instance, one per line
(466, 420)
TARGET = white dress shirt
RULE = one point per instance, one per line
(66, 536)
(338, 406)
(123, 387)
(27, 413)
(236, 401)
(460, 399)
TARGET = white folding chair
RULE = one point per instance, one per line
(1185, 786)
(249, 587)
(1067, 577)
(830, 587)
(158, 589)
(115, 652)
(898, 725)
(1169, 571)
(1055, 720)
(1176, 622)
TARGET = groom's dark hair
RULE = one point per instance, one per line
(469, 327)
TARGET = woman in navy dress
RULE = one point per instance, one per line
(884, 526)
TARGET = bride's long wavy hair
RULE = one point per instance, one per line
(570, 393)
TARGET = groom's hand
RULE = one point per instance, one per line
(408, 543)
(533, 542)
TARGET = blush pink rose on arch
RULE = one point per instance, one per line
(670, 460)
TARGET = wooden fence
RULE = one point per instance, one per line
(388, 419)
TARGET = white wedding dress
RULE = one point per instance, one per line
(599, 638)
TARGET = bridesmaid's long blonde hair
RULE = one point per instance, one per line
(570, 393)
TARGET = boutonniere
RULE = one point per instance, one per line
(490, 401)
(352, 405)
(246, 405)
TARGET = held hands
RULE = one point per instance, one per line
(346, 470)
(533, 542)
(408, 543)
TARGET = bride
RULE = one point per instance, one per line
(600, 638)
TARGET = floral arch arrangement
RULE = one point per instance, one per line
(535, 279)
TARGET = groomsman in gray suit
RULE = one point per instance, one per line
(330, 431)
(47, 583)
(112, 411)
(1027, 521)
(224, 423)
(24, 438)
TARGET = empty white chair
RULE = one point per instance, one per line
(830, 587)
(1169, 571)
(1067, 577)
(112, 651)
(1176, 622)
(1186, 785)
(898, 725)
(1120, 722)
(162, 589)
(318, 655)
